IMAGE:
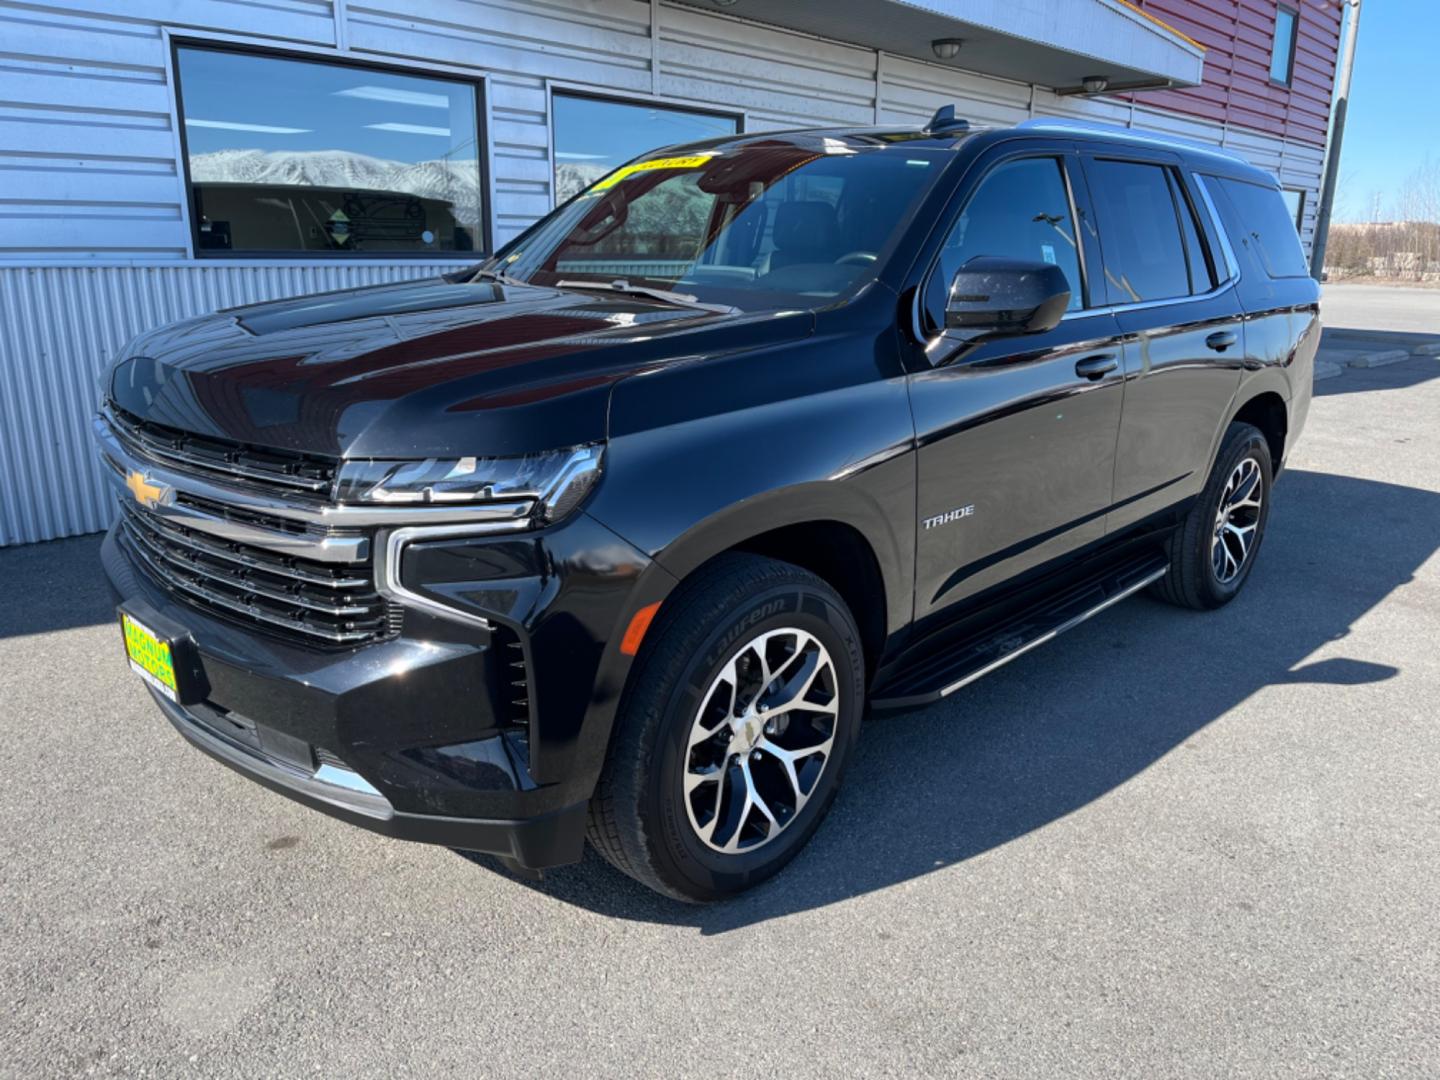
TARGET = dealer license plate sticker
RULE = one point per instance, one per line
(149, 656)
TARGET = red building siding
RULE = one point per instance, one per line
(1237, 35)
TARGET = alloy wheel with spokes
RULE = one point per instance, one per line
(1237, 520)
(760, 740)
(733, 735)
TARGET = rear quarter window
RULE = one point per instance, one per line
(1260, 221)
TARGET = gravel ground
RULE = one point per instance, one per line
(1168, 844)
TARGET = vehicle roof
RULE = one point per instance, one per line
(1197, 155)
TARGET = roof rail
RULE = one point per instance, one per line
(945, 121)
(1153, 138)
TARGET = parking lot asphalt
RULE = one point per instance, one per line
(1167, 844)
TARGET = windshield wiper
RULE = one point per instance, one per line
(495, 275)
(620, 285)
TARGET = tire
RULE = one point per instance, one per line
(700, 668)
(1201, 575)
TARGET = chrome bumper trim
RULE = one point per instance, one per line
(391, 552)
(315, 538)
(342, 788)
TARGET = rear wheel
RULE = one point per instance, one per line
(1214, 549)
(734, 733)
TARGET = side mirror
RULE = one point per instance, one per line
(992, 296)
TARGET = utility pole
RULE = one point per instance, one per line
(1337, 137)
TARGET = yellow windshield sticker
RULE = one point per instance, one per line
(689, 161)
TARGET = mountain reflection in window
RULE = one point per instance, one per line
(299, 156)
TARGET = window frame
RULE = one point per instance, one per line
(1066, 161)
(1289, 80)
(1224, 270)
(1184, 204)
(562, 88)
(479, 83)
(1252, 244)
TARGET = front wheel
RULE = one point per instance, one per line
(733, 736)
(1214, 549)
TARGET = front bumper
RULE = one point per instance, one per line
(551, 839)
(410, 736)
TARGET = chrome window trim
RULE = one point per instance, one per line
(391, 550)
(1231, 264)
(1140, 305)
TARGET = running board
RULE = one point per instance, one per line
(936, 677)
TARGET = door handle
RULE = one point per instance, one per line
(1221, 340)
(1094, 367)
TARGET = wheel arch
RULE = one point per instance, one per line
(1267, 409)
(846, 542)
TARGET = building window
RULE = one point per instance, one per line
(595, 135)
(1282, 50)
(289, 156)
(1295, 203)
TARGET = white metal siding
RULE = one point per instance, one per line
(90, 182)
(60, 327)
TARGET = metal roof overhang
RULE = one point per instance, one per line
(1051, 43)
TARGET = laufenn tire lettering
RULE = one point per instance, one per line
(764, 611)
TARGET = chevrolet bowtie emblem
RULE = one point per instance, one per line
(146, 493)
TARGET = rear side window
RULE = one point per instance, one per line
(1021, 210)
(1145, 257)
(1261, 221)
(1201, 278)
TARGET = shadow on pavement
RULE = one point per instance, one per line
(1340, 344)
(1021, 749)
(1069, 723)
(53, 586)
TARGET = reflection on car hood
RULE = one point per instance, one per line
(428, 368)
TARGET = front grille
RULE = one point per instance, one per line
(301, 599)
(288, 473)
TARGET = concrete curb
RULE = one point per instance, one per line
(1326, 369)
(1380, 359)
(1430, 349)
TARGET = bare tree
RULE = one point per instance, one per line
(1407, 248)
(1375, 202)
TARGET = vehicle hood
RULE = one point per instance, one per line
(422, 369)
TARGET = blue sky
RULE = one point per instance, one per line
(1394, 116)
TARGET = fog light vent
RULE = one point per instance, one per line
(512, 691)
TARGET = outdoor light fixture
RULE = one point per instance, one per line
(947, 48)
(1095, 84)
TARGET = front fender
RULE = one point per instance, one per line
(706, 456)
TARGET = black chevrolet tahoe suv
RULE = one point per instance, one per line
(619, 534)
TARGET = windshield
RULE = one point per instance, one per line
(783, 221)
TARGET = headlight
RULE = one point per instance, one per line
(557, 480)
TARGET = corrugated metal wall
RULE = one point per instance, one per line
(92, 185)
(1237, 36)
(60, 326)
